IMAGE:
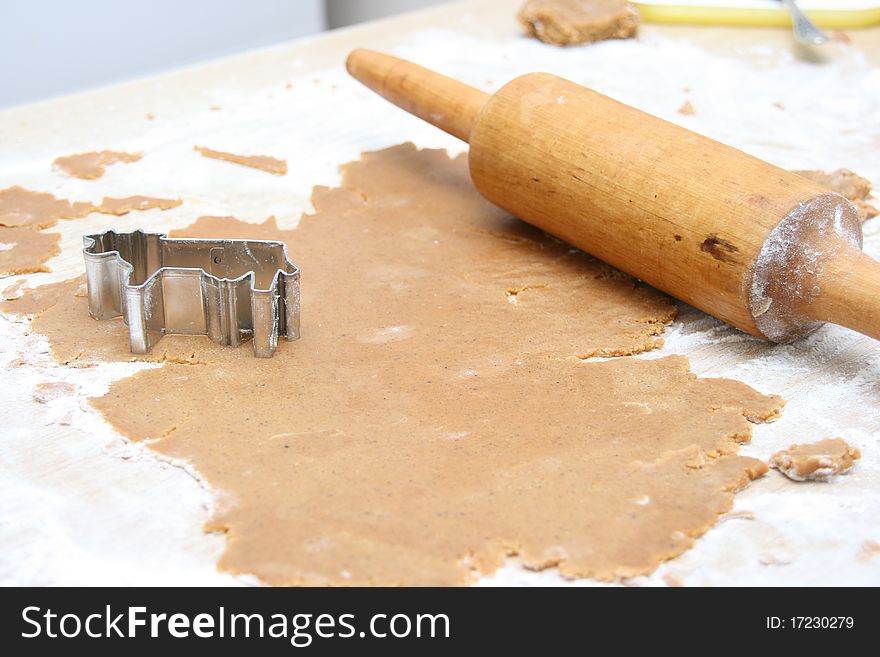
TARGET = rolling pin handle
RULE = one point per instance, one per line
(849, 292)
(448, 104)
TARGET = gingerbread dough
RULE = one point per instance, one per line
(24, 250)
(23, 207)
(14, 290)
(35, 300)
(849, 185)
(23, 213)
(687, 109)
(262, 162)
(425, 427)
(568, 22)
(89, 166)
(120, 206)
(816, 461)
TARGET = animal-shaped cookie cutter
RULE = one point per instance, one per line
(229, 290)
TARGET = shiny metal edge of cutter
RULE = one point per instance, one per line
(229, 290)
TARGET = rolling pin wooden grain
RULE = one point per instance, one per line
(752, 244)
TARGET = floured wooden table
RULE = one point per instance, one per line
(81, 506)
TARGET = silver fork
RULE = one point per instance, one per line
(805, 31)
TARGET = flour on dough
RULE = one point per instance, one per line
(568, 22)
(49, 391)
(262, 162)
(93, 164)
(14, 290)
(816, 461)
(424, 427)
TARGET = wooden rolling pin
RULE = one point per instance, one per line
(757, 246)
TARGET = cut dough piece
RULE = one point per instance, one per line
(23, 207)
(120, 206)
(687, 109)
(262, 162)
(25, 250)
(424, 427)
(843, 181)
(89, 166)
(816, 461)
(848, 184)
(568, 22)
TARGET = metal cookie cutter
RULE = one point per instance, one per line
(228, 290)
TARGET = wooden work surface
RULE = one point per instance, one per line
(78, 505)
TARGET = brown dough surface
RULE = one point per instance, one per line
(816, 461)
(120, 206)
(30, 250)
(23, 207)
(89, 166)
(848, 184)
(568, 22)
(262, 162)
(231, 228)
(425, 426)
(23, 213)
(35, 300)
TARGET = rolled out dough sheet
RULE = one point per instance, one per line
(440, 412)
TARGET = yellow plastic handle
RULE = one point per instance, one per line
(748, 14)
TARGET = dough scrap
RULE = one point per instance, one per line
(120, 206)
(848, 184)
(687, 109)
(817, 461)
(263, 162)
(568, 22)
(23, 207)
(424, 427)
(25, 250)
(92, 165)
